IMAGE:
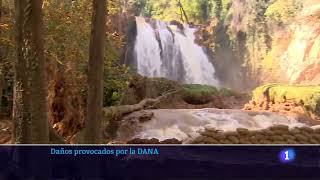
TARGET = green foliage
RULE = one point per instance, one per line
(166, 10)
(68, 28)
(110, 98)
(220, 8)
(198, 94)
(67, 32)
(140, 7)
(198, 88)
(7, 54)
(282, 11)
(308, 96)
(197, 11)
(206, 89)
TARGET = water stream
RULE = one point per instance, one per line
(184, 124)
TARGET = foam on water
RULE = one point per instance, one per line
(183, 124)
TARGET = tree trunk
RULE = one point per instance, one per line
(112, 115)
(92, 130)
(181, 15)
(1, 65)
(218, 8)
(29, 106)
(183, 11)
(2, 84)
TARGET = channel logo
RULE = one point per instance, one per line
(287, 155)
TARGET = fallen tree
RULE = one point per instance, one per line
(112, 115)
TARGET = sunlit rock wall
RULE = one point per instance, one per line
(301, 61)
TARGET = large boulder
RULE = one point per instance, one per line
(198, 94)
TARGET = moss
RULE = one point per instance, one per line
(198, 94)
(282, 11)
(307, 96)
(198, 88)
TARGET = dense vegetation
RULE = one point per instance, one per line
(57, 46)
(306, 96)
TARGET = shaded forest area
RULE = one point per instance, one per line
(53, 55)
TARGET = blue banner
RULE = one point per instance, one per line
(160, 162)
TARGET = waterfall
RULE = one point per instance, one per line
(166, 50)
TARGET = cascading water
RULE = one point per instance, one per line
(184, 124)
(164, 50)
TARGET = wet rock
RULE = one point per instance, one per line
(197, 140)
(155, 141)
(288, 137)
(171, 141)
(210, 140)
(279, 142)
(254, 133)
(313, 141)
(254, 141)
(245, 141)
(243, 131)
(213, 130)
(280, 132)
(301, 138)
(308, 135)
(209, 134)
(295, 131)
(225, 141)
(231, 133)
(220, 136)
(264, 141)
(316, 136)
(277, 138)
(307, 129)
(260, 137)
(317, 130)
(178, 24)
(144, 141)
(279, 127)
(267, 132)
(233, 139)
(290, 141)
(145, 116)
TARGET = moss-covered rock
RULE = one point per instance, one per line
(202, 94)
(198, 94)
(198, 88)
(306, 96)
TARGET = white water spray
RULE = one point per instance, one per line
(164, 50)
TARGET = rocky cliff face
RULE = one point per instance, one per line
(301, 60)
(264, 50)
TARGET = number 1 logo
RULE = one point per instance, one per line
(287, 155)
